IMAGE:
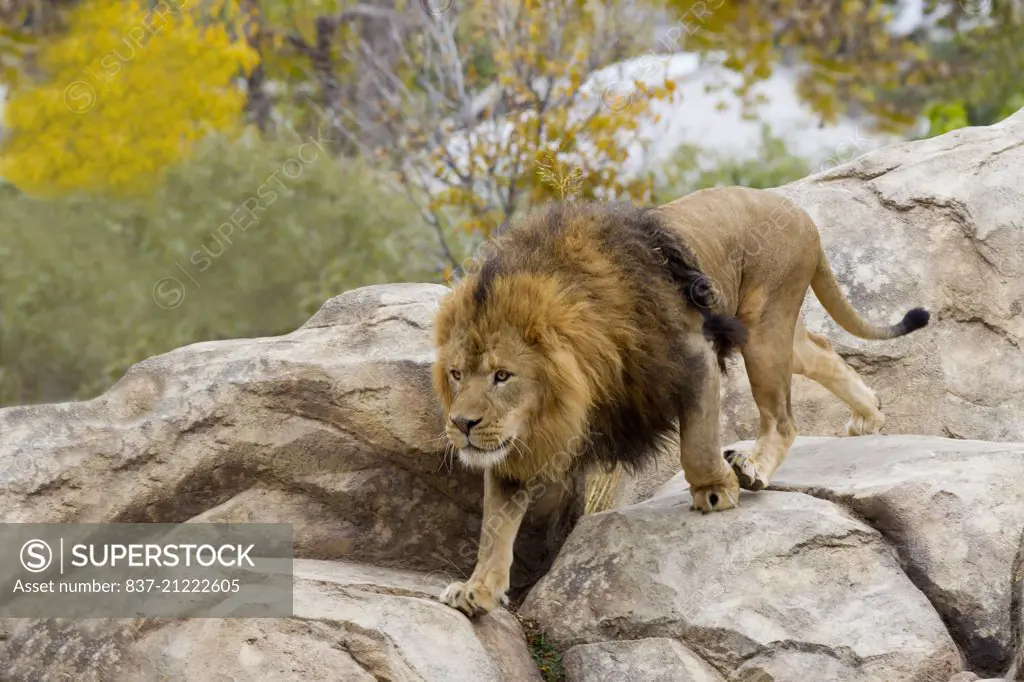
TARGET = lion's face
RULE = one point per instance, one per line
(491, 395)
(515, 392)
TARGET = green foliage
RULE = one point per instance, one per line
(982, 83)
(692, 168)
(945, 116)
(852, 57)
(547, 659)
(79, 288)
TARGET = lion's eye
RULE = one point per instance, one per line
(500, 376)
(456, 374)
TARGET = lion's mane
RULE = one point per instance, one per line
(615, 305)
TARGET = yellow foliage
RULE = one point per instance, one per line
(129, 90)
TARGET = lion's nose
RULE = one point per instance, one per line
(464, 424)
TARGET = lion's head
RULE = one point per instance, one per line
(510, 385)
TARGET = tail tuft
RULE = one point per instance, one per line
(914, 320)
(725, 330)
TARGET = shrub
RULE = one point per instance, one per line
(692, 168)
(86, 287)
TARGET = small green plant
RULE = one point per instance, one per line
(945, 116)
(545, 656)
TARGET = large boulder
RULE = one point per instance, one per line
(952, 509)
(936, 223)
(351, 622)
(875, 558)
(333, 428)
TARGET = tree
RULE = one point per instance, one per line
(122, 95)
(480, 109)
(466, 102)
(847, 58)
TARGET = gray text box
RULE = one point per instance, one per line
(145, 570)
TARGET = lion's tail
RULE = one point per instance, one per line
(826, 288)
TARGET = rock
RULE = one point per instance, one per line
(787, 587)
(642, 660)
(351, 622)
(952, 509)
(964, 677)
(332, 422)
(936, 223)
(333, 428)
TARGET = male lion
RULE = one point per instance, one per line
(590, 331)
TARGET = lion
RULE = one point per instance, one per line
(590, 332)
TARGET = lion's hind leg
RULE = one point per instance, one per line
(768, 359)
(814, 358)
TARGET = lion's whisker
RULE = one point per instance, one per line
(522, 444)
(449, 451)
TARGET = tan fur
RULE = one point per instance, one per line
(569, 348)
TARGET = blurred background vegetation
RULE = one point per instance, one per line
(174, 171)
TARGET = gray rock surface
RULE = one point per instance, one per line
(640, 660)
(912, 531)
(351, 622)
(787, 585)
(952, 509)
(964, 677)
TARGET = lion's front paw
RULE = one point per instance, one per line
(473, 598)
(863, 425)
(746, 470)
(717, 496)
